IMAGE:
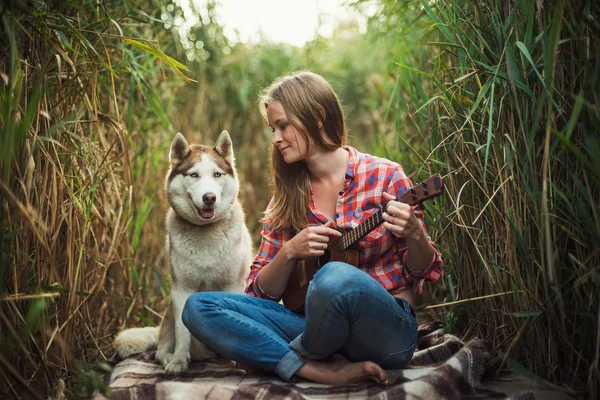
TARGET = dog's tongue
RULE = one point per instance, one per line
(207, 213)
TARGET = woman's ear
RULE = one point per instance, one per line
(322, 114)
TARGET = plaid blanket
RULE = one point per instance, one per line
(443, 367)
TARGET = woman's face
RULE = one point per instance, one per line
(290, 142)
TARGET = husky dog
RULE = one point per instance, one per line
(208, 244)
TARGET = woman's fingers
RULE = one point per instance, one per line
(327, 231)
(388, 196)
(391, 227)
(397, 215)
(318, 238)
(320, 246)
(399, 210)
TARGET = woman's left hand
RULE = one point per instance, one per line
(400, 219)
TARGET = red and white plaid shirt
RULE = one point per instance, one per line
(382, 253)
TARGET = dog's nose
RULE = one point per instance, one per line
(209, 198)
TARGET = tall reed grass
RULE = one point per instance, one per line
(507, 100)
(75, 86)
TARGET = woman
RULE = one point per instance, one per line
(356, 321)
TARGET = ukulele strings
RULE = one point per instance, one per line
(352, 236)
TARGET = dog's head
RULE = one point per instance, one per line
(202, 184)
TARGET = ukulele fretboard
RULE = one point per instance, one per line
(365, 227)
(428, 189)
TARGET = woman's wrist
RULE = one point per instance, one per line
(417, 234)
(419, 252)
(419, 242)
(416, 237)
(286, 252)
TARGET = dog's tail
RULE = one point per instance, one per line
(135, 340)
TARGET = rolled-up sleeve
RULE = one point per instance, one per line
(271, 242)
(430, 273)
(399, 184)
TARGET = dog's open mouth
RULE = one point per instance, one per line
(206, 213)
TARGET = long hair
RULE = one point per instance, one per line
(307, 99)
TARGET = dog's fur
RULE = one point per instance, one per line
(208, 244)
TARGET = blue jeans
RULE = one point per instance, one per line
(346, 312)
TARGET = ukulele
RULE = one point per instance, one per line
(342, 249)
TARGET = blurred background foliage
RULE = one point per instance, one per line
(499, 97)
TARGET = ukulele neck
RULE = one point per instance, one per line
(351, 237)
(426, 190)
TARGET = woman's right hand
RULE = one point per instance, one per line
(310, 242)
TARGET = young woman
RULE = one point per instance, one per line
(356, 321)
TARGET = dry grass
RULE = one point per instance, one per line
(510, 104)
(72, 211)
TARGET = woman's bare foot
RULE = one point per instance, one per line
(338, 371)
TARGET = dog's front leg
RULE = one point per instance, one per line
(181, 356)
(166, 337)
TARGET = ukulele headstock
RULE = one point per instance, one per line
(428, 189)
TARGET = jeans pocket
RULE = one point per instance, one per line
(399, 359)
(405, 307)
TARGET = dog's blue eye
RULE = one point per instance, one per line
(193, 175)
(218, 175)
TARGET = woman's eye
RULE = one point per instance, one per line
(283, 127)
(218, 175)
(193, 175)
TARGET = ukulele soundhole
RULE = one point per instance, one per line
(324, 259)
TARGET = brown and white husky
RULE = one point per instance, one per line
(208, 244)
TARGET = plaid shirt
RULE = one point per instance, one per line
(382, 253)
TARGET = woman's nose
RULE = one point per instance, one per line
(276, 136)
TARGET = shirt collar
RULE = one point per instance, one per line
(353, 158)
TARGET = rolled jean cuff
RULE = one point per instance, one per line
(296, 345)
(288, 365)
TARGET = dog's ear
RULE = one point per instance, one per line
(179, 149)
(225, 148)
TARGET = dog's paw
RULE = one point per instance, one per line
(178, 364)
(164, 357)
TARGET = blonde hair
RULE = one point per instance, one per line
(308, 100)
